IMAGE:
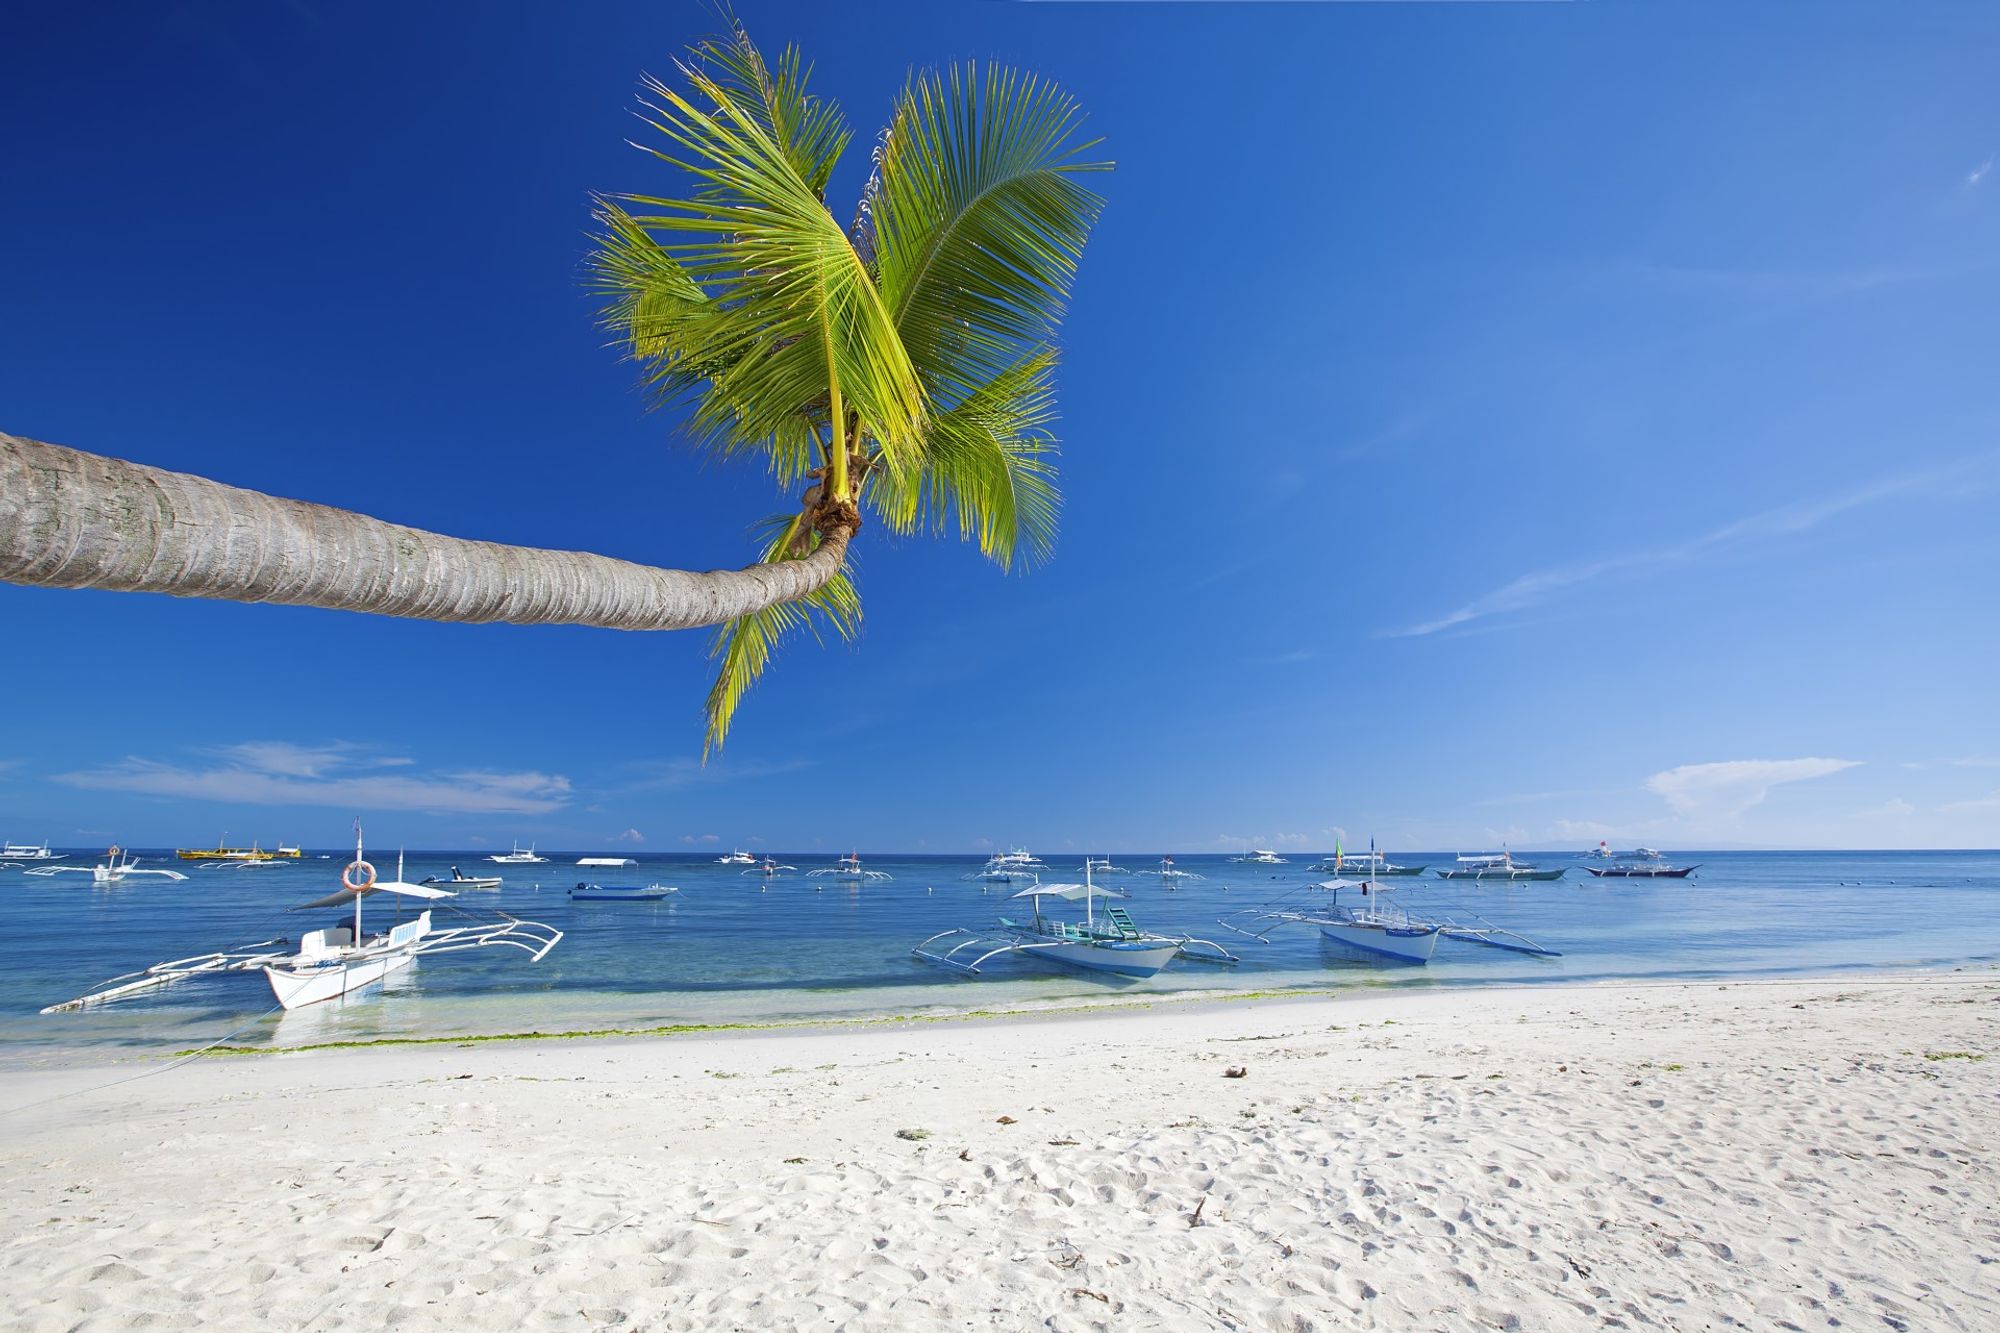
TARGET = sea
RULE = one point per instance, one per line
(733, 949)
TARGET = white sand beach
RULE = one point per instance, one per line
(1746, 1154)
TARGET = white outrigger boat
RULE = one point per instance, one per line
(768, 868)
(1373, 930)
(1170, 874)
(517, 857)
(1004, 869)
(460, 880)
(1498, 865)
(24, 851)
(1260, 856)
(848, 867)
(337, 960)
(1110, 943)
(739, 857)
(119, 866)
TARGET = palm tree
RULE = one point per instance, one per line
(900, 366)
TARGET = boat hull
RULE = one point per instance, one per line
(1542, 875)
(1642, 872)
(1115, 957)
(1382, 943)
(295, 988)
(601, 893)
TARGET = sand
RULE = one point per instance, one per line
(1745, 1155)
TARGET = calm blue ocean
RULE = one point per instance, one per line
(730, 948)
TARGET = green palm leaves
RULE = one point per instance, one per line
(906, 367)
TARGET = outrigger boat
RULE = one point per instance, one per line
(768, 868)
(119, 866)
(1375, 865)
(1004, 870)
(1109, 943)
(24, 851)
(338, 960)
(460, 880)
(847, 867)
(1642, 870)
(1374, 931)
(739, 857)
(1500, 866)
(517, 857)
(621, 893)
(1169, 875)
(1260, 856)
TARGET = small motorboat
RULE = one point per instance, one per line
(460, 880)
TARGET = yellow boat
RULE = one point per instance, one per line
(251, 853)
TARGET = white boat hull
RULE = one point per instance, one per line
(1402, 944)
(1120, 959)
(295, 988)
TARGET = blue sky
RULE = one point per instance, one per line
(1481, 422)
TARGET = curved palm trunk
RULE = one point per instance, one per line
(74, 520)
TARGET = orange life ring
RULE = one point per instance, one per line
(367, 883)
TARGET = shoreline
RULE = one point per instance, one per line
(1058, 1010)
(1540, 1156)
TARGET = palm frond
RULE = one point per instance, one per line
(981, 220)
(808, 129)
(798, 312)
(744, 646)
(989, 462)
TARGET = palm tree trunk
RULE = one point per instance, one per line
(74, 520)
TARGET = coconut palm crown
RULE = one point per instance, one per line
(901, 365)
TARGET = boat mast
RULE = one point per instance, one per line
(357, 897)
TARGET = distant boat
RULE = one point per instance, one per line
(848, 867)
(222, 851)
(606, 861)
(23, 851)
(739, 857)
(768, 868)
(119, 866)
(461, 880)
(621, 893)
(517, 857)
(1006, 869)
(1498, 866)
(1371, 865)
(1373, 931)
(1262, 856)
(1169, 874)
(1642, 871)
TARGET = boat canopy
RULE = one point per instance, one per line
(1071, 892)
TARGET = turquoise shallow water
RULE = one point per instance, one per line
(730, 949)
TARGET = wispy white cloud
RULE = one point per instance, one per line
(698, 839)
(1966, 476)
(1726, 790)
(1978, 173)
(629, 835)
(1977, 803)
(340, 774)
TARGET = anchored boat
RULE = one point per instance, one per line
(1502, 866)
(621, 893)
(336, 960)
(1110, 942)
(119, 866)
